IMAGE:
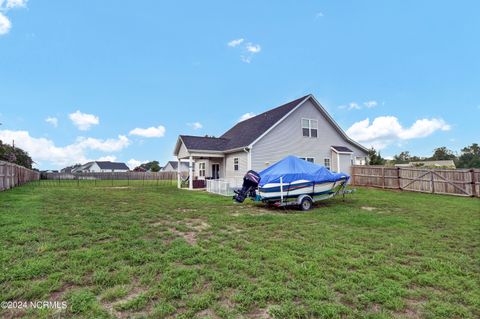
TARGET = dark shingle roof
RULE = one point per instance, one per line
(342, 149)
(243, 133)
(204, 143)
(112, 165)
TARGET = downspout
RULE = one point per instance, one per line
(249, 157)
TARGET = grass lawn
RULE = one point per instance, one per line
(161, 252)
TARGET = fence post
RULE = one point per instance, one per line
(474, 183)
(383, 177)
(432, 183)
(399, 179)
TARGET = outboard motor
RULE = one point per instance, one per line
(250, 183)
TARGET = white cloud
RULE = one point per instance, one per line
(5, 24)
(5, 6)
(353, 106)
(52, 120)
(83, 121)
(235, 42)
(253, 48)
(108, 158)
(246, 116)
(158, 131)
(250, 51)
(247, 51)
(385, 130)
(44, 151)
(370, 104)
(132, 163)
(357, 106)
(10, 4)
(319, 15)
(195, 125)
(108, 145)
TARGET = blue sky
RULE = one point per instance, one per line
(399, 75)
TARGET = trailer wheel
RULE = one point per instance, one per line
(306, 204)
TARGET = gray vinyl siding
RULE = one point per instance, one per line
(345, 162)
(183, 152)
(242, 165)
(287, 139)
(208, 167)
(168, 168)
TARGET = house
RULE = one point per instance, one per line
(172, 166)
(69, 169)
(301, 127)
(101, 167)
(430, 164)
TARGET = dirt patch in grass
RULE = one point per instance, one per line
(58, 294)
(185, 210)
(260, 314)
(413, 309)
(195, 226)
(369, 208)
(14, 313)
(207, 313)
(112, 306)
(252, 211)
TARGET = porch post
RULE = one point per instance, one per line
(179, 182)
(190, 172)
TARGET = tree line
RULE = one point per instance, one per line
(16, 155)
(469, 157)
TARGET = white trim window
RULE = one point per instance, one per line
(308, 159)
(327, 162)
(201, 169)
(359, 160)
(310, 128)
(235, 164)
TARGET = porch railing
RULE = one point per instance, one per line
(220, 187)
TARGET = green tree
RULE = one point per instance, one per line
(442, 153)
(375, 158)
(405, 157)
(15, 155)
(150, 166)
(470, 157)
(402, 158)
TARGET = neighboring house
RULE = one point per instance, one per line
(301, 127)
(172, 166)
(430, 164)
(101, 167)
(69, 169)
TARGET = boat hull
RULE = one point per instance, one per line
(276, 191)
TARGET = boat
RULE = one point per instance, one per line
(292, 181)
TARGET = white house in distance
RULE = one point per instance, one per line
(172, 166)
(101, 167)
(301, 128)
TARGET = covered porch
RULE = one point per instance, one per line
(201, 167)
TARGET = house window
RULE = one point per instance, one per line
(308, 159)
(326, 162)
(360, 160)
(201, 169)
(235, 164)
(309, 128)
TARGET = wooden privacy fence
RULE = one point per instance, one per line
(124, 178)
(12, 175)
(461, 182)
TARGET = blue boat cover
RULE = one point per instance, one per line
(292, 169)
